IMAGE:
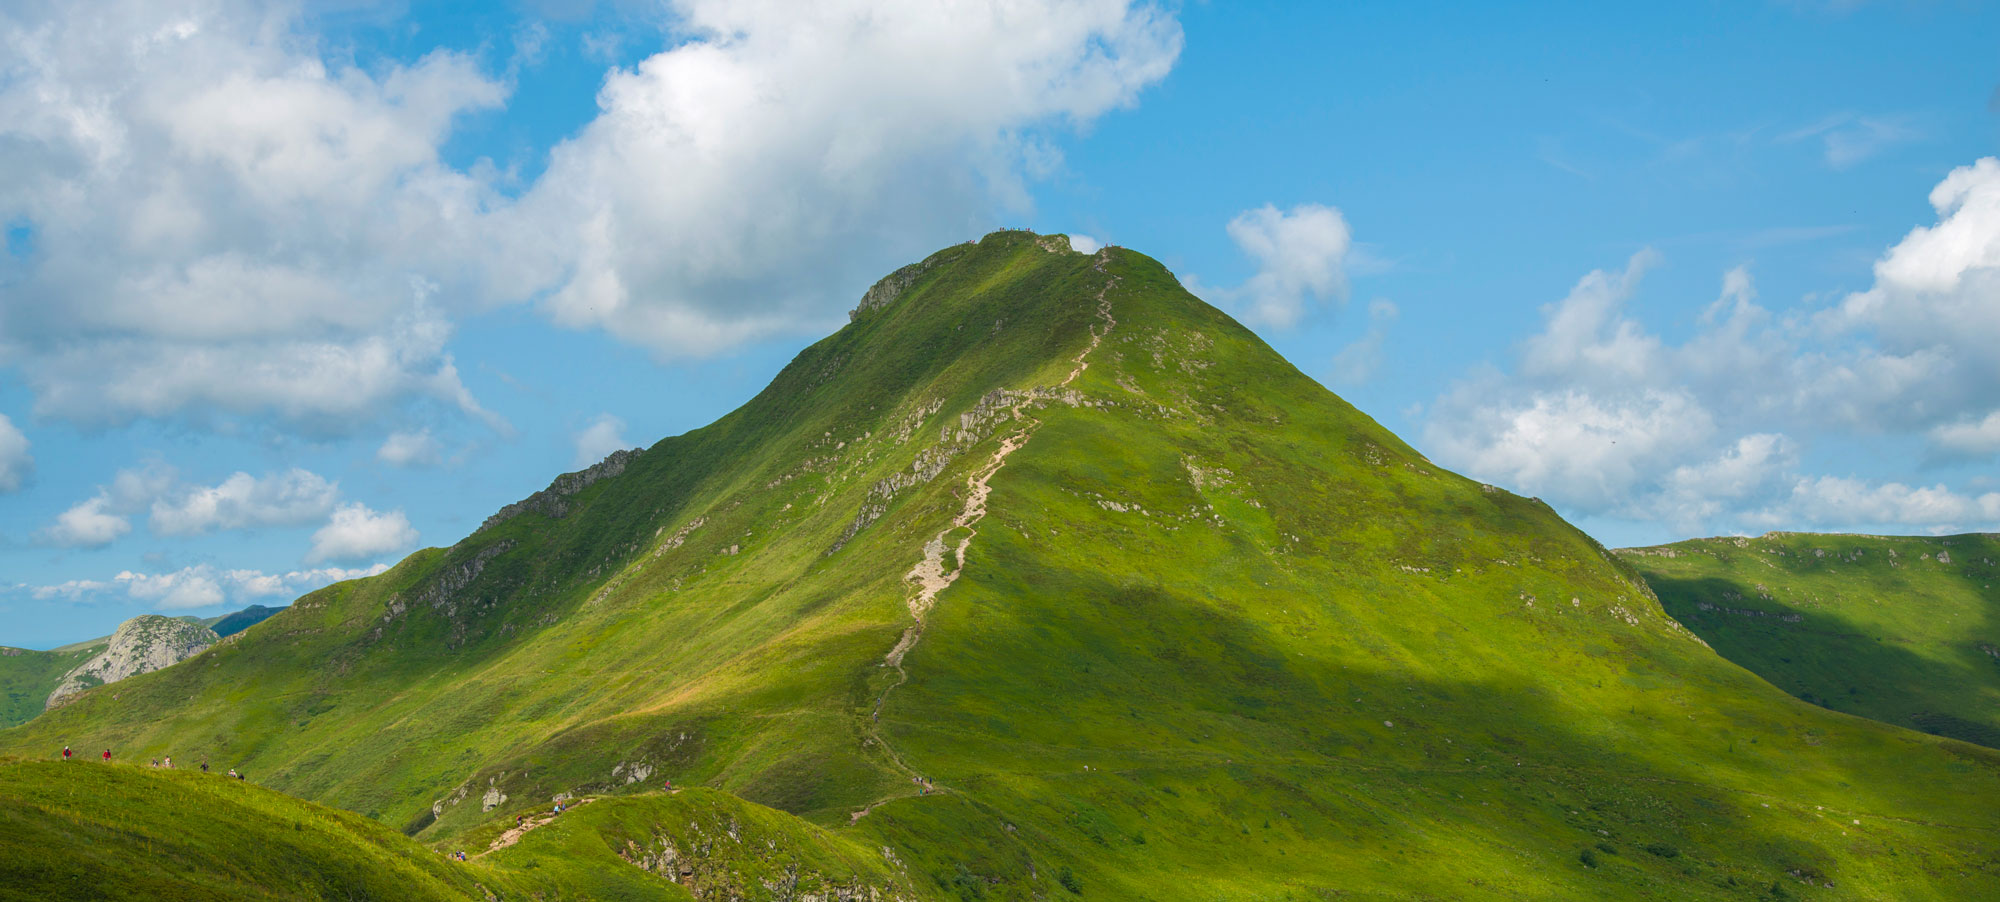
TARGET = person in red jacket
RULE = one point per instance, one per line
(65, 753)
(107, 756)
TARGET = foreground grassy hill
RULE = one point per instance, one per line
(1901, 629)
(95, 831)
(1044, 579)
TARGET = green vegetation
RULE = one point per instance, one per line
(94, 831)
(28, 676)
(1218, 635)
(1905, 630)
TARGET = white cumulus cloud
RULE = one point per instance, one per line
(356, 531)
(1969, 437)
(201, 585)
(225, 221)
(728, 180)
(231, 217)
(604, 435)
(1713, 432)
(243, 501)
(409, 449)
(1300, 254)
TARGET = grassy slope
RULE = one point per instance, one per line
(1323, 665)
(1871, 625)
(27, 678)
(91, 831)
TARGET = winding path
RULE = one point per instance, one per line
(929, 577)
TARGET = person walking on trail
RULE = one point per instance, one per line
(170, 763)
(107, 756)
(204, 765)
(66, 753)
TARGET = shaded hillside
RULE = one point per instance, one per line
(28, 676)
(235, 622)
(1043, 578)
(1905, 630)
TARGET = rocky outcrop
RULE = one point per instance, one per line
(142, 644)
(553, 502)
(888, 288)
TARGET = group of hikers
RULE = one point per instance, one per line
(166, 763)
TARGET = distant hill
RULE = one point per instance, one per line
(1043, 579)
(143, 644)
(230, 624)
(28, 676)
(1902, 629)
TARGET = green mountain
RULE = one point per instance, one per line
(1042, 578)
(1905, 630)
(237, 621)
(27, 676)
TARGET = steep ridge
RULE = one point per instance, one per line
(1160, 616)
(1902, 629)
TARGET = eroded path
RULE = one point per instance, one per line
(930, 576)
(514, 835)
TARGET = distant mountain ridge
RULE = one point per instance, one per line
(1902, 629)
(30, 678)
(1041, 578)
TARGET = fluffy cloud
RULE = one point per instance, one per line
(1605, 418)
(1969, 437)
(15, 462)
(201, 585)
(1299, 254)
(1577, 449)
(1935, 304)
(89, 524)
(409, 449)
(355, 531)
(727, 181)
(223, 221)
(102, 518)
(1830, 500)
(243, 501)
(227, 218)
(603, 436)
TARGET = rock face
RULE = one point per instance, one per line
(142, 644)
(553, 502)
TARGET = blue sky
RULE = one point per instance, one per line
(289, 291)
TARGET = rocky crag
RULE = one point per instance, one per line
(142, 644)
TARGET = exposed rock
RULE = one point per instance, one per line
(889, 288)
(142, 644)
(553, 502)
(494, 798)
